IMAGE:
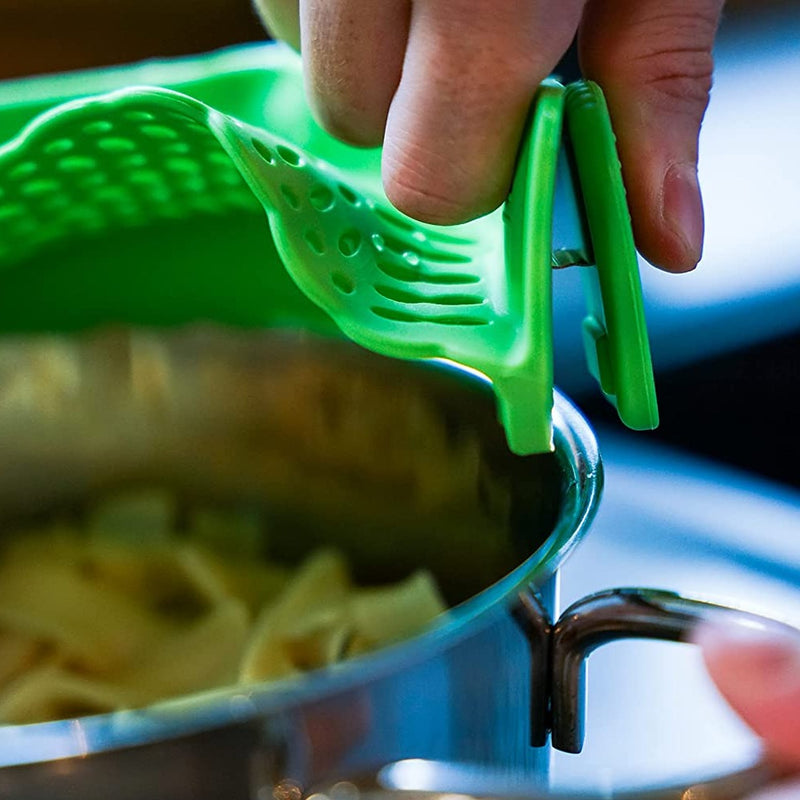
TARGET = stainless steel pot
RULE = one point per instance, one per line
(400, 465)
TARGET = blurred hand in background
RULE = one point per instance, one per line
(759, 675)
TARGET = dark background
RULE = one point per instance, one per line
(52, 35)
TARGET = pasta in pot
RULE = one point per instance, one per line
(128, 600)
(125, 607)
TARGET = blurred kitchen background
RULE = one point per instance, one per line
(708, 503)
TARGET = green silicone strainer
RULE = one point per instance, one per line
(477, 294)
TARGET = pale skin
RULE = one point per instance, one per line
(444, 86)
(758, 674)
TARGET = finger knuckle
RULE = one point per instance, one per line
(669, 54)
(679, 80)
(426, 189)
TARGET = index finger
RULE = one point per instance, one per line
(471, 69)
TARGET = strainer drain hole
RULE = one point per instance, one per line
(343, 283)
(159, 132)
(291, 157)
(145, 177)
(349, 195)
(350, 242)
(183, 165)
(395, 218)
(223, 159)
(116, 144)
(259, 147)
(396, 315)
(59, 147)
(11, 211)
(134, 161)
(39, 187)
(321, 198)
(290, 196)
(22, 171)
(176, 148)
(139, 116)
(315, 241)
(97, 127)
(76, 164)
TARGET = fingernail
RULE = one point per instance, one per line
(764, 657)
(683, 209)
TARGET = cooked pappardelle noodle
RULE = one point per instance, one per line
(122, 610)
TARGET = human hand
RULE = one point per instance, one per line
(445, 85)
(759, 675)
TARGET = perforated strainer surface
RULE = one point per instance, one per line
(107, 164)
(139, 155)
(478, 295)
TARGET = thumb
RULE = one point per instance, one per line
(653, 60)
(758, 673)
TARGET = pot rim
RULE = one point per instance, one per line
(578, 455)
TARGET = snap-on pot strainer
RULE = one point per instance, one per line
(477, 294)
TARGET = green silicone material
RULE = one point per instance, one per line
(615, 332)
(223, 138)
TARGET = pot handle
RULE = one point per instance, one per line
(618, 614)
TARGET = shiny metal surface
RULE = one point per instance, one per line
(535, 619)
(684, 524)
(462, 698)
(386, 786)
(459, 692)
(611, 616)
(570, 237)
